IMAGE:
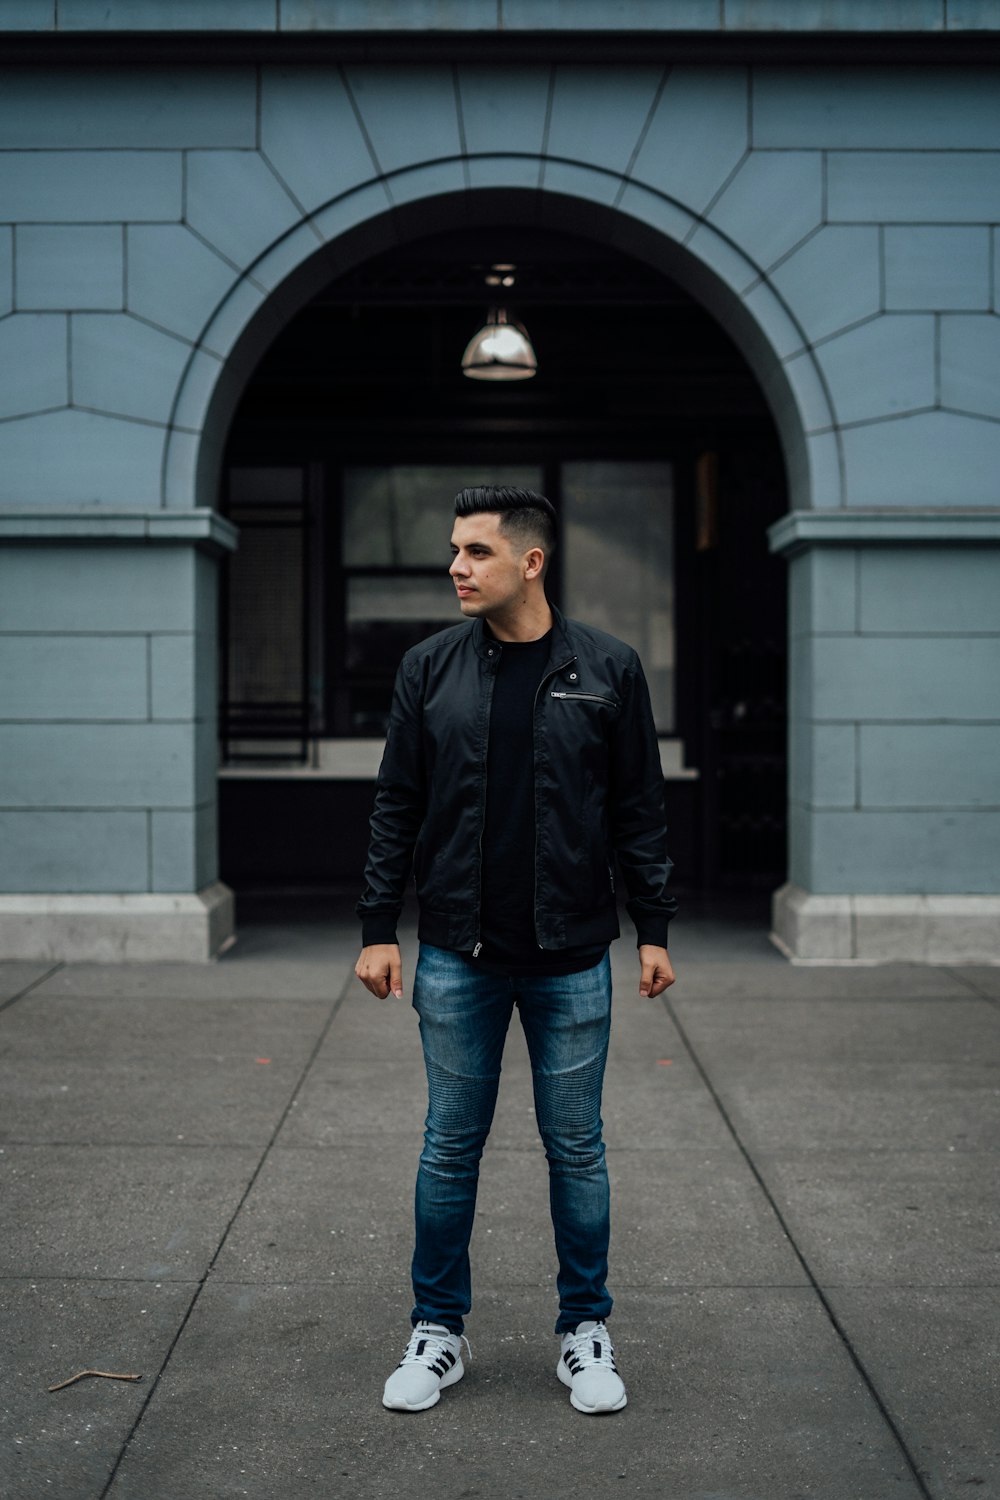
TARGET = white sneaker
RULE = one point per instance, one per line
(433, 1359)
(587, 1366)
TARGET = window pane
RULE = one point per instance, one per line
(618, 572)
(404, 598)
(402, 516)
(265, 618)
(386, 616)
(265, 486)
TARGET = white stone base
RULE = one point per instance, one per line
(885, 929)
(186, 927)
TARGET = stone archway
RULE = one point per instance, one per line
(645, 224)
(247, 321)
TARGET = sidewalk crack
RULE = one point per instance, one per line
(154, 1384)
(13, 999)
(838, 1327)
(971, 986)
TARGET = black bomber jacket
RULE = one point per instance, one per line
(598, 792)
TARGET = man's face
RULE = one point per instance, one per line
(487, 572)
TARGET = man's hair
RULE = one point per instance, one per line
(529, 520)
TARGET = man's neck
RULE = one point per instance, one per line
(527, 621)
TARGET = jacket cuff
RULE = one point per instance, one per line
(652, 930)
(380, 927)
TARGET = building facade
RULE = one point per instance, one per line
(184, 187)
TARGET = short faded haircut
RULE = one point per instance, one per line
(527, 519)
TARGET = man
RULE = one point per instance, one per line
(521, 759)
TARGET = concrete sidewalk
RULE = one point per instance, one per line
(207, 1176)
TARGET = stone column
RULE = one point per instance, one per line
(894, 737)
(108, 740)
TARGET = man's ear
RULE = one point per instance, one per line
(534, 562)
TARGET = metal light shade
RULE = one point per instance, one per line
(501, 350)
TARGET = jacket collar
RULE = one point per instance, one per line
(561, 650)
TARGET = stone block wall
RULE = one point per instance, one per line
(895, 746)
(894, 749)
(107, 718)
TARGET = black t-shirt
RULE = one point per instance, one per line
(507, 923)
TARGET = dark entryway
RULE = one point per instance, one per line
(645, 427)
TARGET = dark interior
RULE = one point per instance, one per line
(368, 373)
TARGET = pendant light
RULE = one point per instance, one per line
(501, 350)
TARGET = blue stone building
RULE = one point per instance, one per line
(242, 245)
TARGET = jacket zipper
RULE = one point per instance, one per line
(534, 765)
(482, 826)
(590, 697)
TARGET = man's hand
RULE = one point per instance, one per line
(657, 970)
(380, 969)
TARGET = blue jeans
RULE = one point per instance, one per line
(464, 1016)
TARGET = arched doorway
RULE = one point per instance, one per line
(356, 423)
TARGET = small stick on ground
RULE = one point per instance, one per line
(105, 1375)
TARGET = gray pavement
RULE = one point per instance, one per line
(207, 1177)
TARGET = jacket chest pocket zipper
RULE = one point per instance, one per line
(587, 697)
